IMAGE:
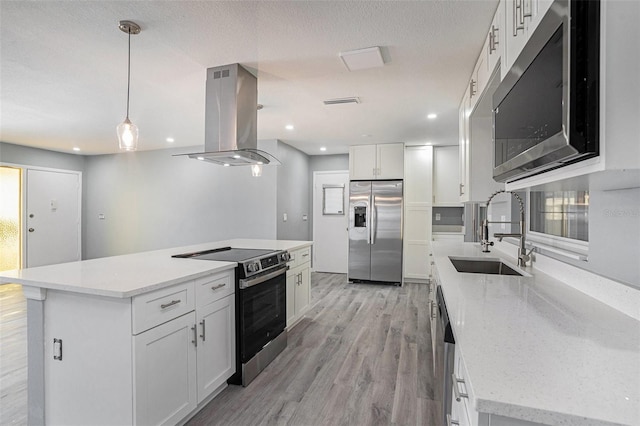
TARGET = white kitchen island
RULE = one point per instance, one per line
(532, 350)
(121, 340)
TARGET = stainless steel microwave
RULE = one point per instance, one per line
(546, 109)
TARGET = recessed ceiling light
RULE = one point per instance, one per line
(432, 116)
(75, 148)
(236, 156)
(171, 140)
(323, 148)
(365, 135)
(289, 127)
(200, 158)
(226, 164)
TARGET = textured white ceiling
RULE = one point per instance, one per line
(63, 69)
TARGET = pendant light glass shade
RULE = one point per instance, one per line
(127, 135)
(127, 131)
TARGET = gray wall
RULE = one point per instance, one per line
(294, 197)
(26, 156)
(326, 163)
(152, 200)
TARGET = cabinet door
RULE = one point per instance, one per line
(362, 162)
(165, 372)
(445, 175)
(515, 34)
(390, 161)
(303, 290)
(463, 134)
(292, 280)
(495, 39)
(216, 345)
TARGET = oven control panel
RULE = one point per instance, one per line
(258, 265)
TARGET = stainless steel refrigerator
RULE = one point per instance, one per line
(375, 231)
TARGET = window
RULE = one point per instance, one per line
(560, 213)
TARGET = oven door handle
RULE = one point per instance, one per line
(262, 278)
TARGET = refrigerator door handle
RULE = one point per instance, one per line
(369, 219)
(374, 221)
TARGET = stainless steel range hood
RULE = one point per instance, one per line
(231, 119)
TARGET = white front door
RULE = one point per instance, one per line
(52, 217)
(330, 233)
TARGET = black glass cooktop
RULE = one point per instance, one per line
(226, 254)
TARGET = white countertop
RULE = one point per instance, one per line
(132, 274)
(538, 350)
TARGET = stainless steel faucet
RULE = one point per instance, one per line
(523, 256)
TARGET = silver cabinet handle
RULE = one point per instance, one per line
(305, 255)
(203, 330)
(461, 186)
(216, 287)
(459, 395)
(195, 335)
(173, 302)
(434, 312)
(57, 349)
(493, 39)
(473, 88)
(451, 422)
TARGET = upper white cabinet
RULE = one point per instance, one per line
(445, 175)
(370, 162)
(475, 139)
(521, 19)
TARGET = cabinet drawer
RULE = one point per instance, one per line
(157, 307)
(214, 287)
(300, 257)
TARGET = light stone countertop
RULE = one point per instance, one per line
(536, 349)
(133, 274)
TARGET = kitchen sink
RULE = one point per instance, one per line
(481, 265)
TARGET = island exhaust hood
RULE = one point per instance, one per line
(231, 119)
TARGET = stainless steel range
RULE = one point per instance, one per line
(260, 306)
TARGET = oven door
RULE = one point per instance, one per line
(262, 311)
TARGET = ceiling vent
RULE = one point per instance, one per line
(352, 100)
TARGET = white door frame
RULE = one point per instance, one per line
(23, 203)
(313, 198)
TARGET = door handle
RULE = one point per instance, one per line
(31, 229)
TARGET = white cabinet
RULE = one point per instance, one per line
(445, 175)
(151, 359)
(463, 147)
(417, 212)
(369, 162)
(521, 19)
(298, 285)
(216, 351)
(165, 372)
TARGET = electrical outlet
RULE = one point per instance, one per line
(284, 217)
(437, 216)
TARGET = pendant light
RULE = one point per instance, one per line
(127, 131)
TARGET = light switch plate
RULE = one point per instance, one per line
(284, 217)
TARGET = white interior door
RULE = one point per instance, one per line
(330, 221)
(52, 217)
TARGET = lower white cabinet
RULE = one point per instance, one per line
(106, 362)
(298, 285)
(216, 357)
(165, 372)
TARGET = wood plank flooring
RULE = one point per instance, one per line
(361, 356)
(13, 355)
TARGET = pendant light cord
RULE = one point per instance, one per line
(128, 72)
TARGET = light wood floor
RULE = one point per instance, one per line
(361, 356)
(13, 355)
